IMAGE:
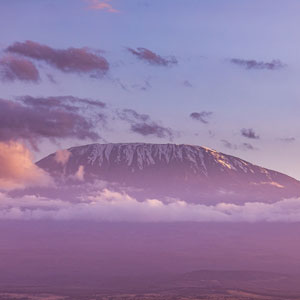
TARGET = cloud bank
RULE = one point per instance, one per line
(115, 207)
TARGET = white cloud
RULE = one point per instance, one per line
(114, 206)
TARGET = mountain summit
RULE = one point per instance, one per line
(192, 173)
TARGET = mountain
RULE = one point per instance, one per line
(192, 173)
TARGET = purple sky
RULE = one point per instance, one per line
(218, 74)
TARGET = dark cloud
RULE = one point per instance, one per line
(71, 60)
(202, 116)
(14, 68)
(249, 133)
(32, 119)
(142, 124)
(153, 58)
(260, 65)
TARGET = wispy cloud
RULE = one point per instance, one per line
(248, 146)
(153, 58)
(232, 146)
(143, 125)
(101, 5)
(288, 139)
(259, 65)
(202, 116)
(187, 83)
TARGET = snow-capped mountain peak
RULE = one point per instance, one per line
(195, 172)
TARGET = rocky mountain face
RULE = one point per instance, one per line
(192, 173)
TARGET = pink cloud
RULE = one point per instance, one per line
(15, 68)
(62, 156)
(101, 5)
(71, 60)
(18, 169)
(79, 175)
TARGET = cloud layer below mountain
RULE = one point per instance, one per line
(113, 206)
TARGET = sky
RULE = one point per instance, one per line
(221, 74)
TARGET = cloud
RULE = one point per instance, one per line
(79, 175)
(243, 146)
(17, 168)
(132, 116)
(259, 65)
(152, 58)
(113, 206)
(186, 83)
(14, 68)
(143, 125)
(248, 146)
(249, 133)
(51, 78)
(101, 5)
(288, 139)
(71, 60)
(229, 145)
(62, 156)
(32, 119)
(152, 129)
(202, 116)
(65, 102)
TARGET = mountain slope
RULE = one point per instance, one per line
(193, 173)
